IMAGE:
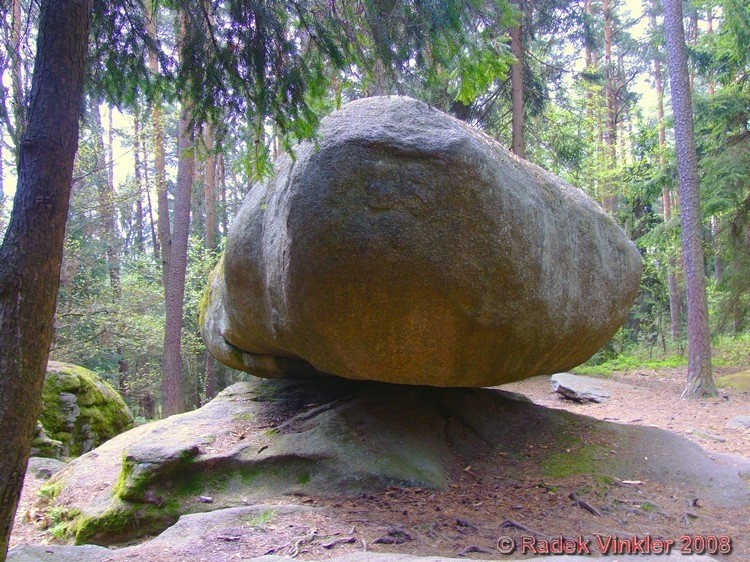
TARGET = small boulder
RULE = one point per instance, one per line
(736, 381)
(43, 468)
(79, 409)
(739, 422)
(58, 553)
(578, 388)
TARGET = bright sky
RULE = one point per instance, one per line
(123, 157)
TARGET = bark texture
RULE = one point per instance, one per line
(162, 202)
(31, 254)
(675, 302)
(609, 200)
(518, 146)
(699, 380)
(174, 279)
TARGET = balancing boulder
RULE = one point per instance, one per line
(405, 246)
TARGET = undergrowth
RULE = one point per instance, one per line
(727, 351)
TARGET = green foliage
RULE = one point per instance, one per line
(60, 521)
(727, 351)
(262, 519)
(628, 363)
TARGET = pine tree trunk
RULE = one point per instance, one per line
(2, 195)
(149, 202)
(610, 197)
(174, 287)
(210, 202)
(162, 202)
(107, 212)
(31, 254)
(223, 190)
(16, 75)
(675, 302)
(518, 146)
(718, 265)
(209, 190)
(700, 380)
(173, 389)
(140, 241)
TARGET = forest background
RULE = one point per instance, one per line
(183, 117)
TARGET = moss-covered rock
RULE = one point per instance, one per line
(736, 381)
(80, 410)
(44, 446)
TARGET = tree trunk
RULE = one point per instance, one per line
(31, 254)
(106, 195)
(174, 289)
(710, 31)
(16, 76)
(139, 237)
(610, 198)
(700, 380)
(162, 201)
(149, 202)
(209, 184)
(518, 146)
(2, 195)
(718, 265)
(223, 190)
(209, 190)
(675, 302)
(108, 213)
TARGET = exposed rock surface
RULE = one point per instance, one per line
(583, 389)
(276, 440)
(405, 246)
(44, 468)
(98, 554)
(739, 422)
(80, 410)
(59, 553)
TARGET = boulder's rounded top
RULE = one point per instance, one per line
(405, 246)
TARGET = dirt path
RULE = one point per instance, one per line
(653, 399)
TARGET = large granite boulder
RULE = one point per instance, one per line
(80, 410)
(405, 246)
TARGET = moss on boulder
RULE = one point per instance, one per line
(43, 445)
(80, 410)
(737, 381)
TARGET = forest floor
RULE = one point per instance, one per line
(480, 506)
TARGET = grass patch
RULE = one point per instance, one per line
(726, 351)
(569, 462)
(51, 490)
(60, 521)
(737, 381)
(262, 519)
(626, 363)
